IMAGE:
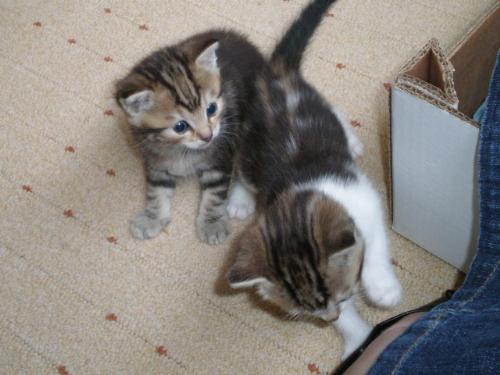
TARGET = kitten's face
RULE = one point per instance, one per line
(303, 254)
(181, 104)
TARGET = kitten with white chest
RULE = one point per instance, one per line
(184, 104)
(319, 227)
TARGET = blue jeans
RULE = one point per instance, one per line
(462, 335)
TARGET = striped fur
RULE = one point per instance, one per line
(178, 83)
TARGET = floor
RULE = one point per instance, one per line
(79, 294)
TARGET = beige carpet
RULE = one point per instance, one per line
(77, 294)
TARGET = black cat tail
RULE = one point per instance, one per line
(287, 55)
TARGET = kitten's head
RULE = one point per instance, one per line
(303, 253)
(174, 96)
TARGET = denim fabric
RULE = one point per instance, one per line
(462, 336)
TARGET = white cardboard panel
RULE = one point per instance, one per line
(434, 185)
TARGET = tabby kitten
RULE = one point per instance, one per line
(319, 226)
(184, 104)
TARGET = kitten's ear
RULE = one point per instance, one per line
(333, 228)
(138, 103)
(207, 59)
(250, 267)
(348, 250)
(134, 95)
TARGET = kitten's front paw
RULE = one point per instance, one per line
(212, 232)
(383, 290)
(240, 209)
(143, 227)
(354, 341)
(241, 203)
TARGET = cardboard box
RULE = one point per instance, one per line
(434, 142)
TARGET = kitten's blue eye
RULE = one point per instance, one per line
(181, 127)
(211, 109)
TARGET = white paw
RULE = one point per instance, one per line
(354, 341)
(143, 227)
(240, 210)
(241, 203)
(383, 290)
(213, 233)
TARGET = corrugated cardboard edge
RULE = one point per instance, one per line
(426, 89)
(447, 70)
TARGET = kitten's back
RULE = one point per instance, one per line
(300, 138)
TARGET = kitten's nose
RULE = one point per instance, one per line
(331, 317)
(331, 314)
(206, 138)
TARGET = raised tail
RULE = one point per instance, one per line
(289, 51)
